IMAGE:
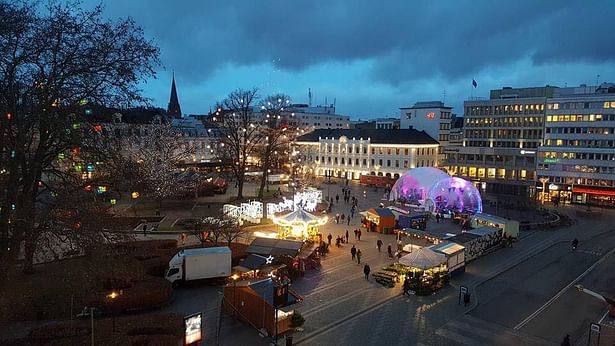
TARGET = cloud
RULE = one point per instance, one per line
(408, 44)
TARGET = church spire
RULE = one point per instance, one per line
(174, 109)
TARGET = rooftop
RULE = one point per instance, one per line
(376, 136)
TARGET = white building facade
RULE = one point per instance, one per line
(355, 152)
(432, 117)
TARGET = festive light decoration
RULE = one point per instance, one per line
(135, 195)
(454, 194)
(61, 156)
(78, 167)
(90, 167)
(83, 102)
(88, 112)
(113, 201)
(300, 224)
(101, 189)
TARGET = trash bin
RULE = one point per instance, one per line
(289, 340)
(466, 298)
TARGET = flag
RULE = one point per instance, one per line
(474, 83)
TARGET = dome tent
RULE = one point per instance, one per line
(414, 185)
(454, 194)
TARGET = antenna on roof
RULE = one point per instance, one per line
(310, 97)
(597, 79)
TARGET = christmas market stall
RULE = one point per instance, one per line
(381, 220)
(261, 303)
(257, 266)
(509, 227)
(298, 256)
(478, 241)
(426, 270)
(455, 256)
(300, 225)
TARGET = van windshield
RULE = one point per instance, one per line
(173, 271)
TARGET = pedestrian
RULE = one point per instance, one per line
(353, 252)
(144, 229)
(338, 241)
(329, 237)
(343, 217)
(566, 341)
(366, 270)
(356, 234)
(390, 251)
(346, 235)
(406, 286)
(337, 218)
(348, 221)
(379, 244)
(183, 237)
(337, 198)
(359, 234)
(359, 254)
(437, 218)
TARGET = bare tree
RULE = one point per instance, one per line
(276, 135)
(54, 62)
(230, 231)
(241, 133)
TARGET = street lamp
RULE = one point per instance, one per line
(112, 296)
(544, 181)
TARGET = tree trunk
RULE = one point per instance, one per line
(263, 182)
(29, 249)
(240, 189)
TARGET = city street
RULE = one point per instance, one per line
(507, 287)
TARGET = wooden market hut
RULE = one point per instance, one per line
(253, 302)
(381, 220)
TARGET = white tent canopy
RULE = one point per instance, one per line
(423, 258)
(300, 216)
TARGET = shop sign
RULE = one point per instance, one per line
(594, 327)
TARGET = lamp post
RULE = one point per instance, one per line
(544, 181)
(235, 277)
(112, 296)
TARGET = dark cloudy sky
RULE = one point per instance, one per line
(372, 56)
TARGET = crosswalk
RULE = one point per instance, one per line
(468, 330)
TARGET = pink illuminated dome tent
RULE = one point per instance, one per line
(454, 194)
(413, 186)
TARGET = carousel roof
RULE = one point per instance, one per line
(299, 216)
(423, 258)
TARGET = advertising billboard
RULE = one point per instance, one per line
(193, 329)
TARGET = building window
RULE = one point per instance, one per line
(406, 151)
(380, 162)
(388, 163)
(397, 163)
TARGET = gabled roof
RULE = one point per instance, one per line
(376, 136)
(264, 289)
(382, 211)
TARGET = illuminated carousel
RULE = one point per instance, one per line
(299, 224)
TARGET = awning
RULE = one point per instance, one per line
(307, 251)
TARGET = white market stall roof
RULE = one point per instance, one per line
(423, 258)
(448, 248)
(492, 219)
(299, 216)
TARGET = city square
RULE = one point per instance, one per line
(150, 197)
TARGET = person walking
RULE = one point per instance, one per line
(366, 270)
(183, 237)
(359, 234)
(348, 220)
(329, 237)
(337, 218)
(390, 251)
(337, 198)
(353, 252)
(406, 286)
(356, 234)
(346, 235)
(359, 254)
(379, 244)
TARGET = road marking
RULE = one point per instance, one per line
(559, 294)
(347, 319)
(604, 316)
